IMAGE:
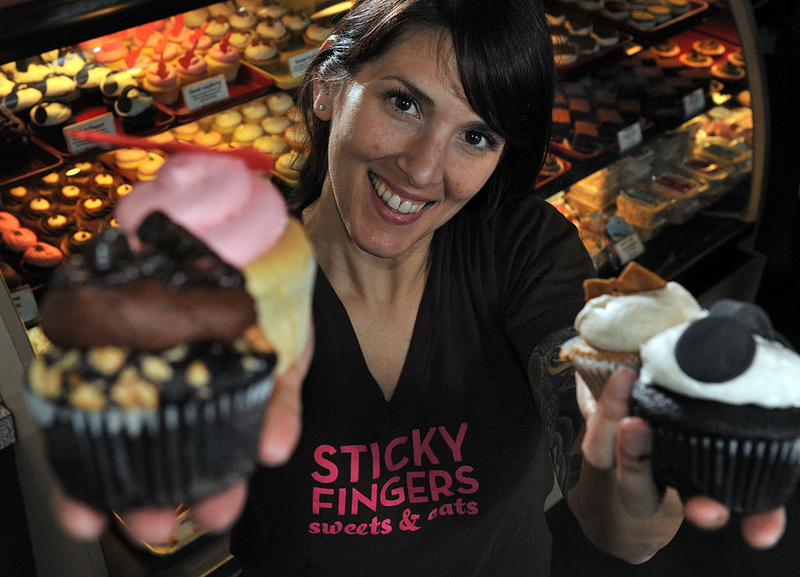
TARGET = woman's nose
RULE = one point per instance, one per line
(424, 159)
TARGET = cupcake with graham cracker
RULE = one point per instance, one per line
(619, 315)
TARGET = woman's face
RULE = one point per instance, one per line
(406, 150)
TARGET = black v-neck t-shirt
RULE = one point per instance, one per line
(449, 477)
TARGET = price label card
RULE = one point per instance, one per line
(102, 123)
(201, 94)
(694, 103)
(26, 304)
(629, 136)
(299, 63)
(629, 248)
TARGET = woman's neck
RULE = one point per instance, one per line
(355, 273)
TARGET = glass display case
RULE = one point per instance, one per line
(658, 154)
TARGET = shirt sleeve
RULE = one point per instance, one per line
(541, 263)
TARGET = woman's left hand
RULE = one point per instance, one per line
(616, 440)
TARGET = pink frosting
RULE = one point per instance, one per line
(156, 80)
(8, 222)
(111, 53)
(196, 66)
(228, 55)
(238, 213)
(19, 239)
(203, 43)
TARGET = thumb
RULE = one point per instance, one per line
(638, 490)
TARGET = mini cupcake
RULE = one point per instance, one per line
(69, 194)
(316, 34)
(103, 183)
(289, 165)
(149, 167)
(222, 58)
(296, 23)
(191, 68)
(161, 81)
(185, 132)
(88, 80)
(136, 110)
(619, 315)
(271, 144)
(217, 28)
(254, 112)
(15, 242)
(262, 55)
(121, 190)
(207, 139)
(60, 88)
(246, 134)
(113, 84)
(226, 123)
(54, 227)
(242, 19)
(35, 209)
(8, 221)
(50, 182)
(721, 397)
(137, 63)
(273, 31)
(92, 208)
(16, 196)
(40, 261)
(240, 39)
(48, 120)
(112, 54)
(273, 10)
(21, 99)
(296, 136)
(74, 242)
(78, 173)
(275, 124)
(279, 103)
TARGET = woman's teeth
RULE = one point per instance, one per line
(392, 200)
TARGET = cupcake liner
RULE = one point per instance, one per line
(119, 459)
(746, 457)
(746, 475)
(595, 369)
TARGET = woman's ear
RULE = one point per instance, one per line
(323, 101)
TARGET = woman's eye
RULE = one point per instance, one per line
(478, 140)
(403, 104)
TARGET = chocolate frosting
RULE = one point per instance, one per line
(174, 291)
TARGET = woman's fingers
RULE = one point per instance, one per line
(283, 419)
(638, 491)
(764, 530)
(601, 423)
(155, 526)
(220, 511)
(759, 530)
(79, 520)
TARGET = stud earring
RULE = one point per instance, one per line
(322, 107)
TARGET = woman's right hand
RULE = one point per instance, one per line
(279, 435)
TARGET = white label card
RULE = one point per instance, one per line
(693, 103)
(201, 94)
(629, 136)
(26, 304)
(629, 248)
(102, 123)
(299, 63)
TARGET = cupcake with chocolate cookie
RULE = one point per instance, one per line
(720, 395)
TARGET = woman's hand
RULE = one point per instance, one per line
(616, 440)
(279, 435)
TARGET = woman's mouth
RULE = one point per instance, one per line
(393, 201)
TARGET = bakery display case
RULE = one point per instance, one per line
(658, 155)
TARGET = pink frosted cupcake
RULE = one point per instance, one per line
(112, 54)
(16, 242)
(222, 58)
(177, 33)
(137, 63)
(8, 222)
(161, 81)
(199, 41)
(191, 68)
(40, 261)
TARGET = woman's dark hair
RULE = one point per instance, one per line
(504, 58)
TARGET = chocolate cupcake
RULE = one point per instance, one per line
(135, 109)
(721, 397)
(54, 227)
(35, 209)
(16, 196)
(79, 173)
(93, 207)
(48, 120)
(74, 242)
(103, 184)
(40, 261)
(165, 425)
(68, 194)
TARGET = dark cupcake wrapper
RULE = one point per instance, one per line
(748, 474)
(120, 459)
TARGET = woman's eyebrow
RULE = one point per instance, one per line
(415, 91)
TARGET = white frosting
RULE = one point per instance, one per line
(620, 323)
(771, 381)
